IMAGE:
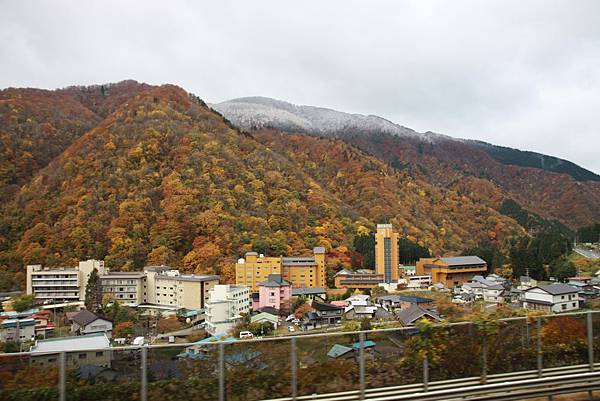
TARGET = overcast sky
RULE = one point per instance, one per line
(524, 74)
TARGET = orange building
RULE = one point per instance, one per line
(451, 271)
(300, 271)
(387, 257)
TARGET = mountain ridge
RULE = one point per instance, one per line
(242, 113)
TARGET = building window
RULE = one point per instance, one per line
(100, 353)
(82, 356)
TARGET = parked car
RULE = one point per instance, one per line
(290, 318)
(291, 329)
(246, 334)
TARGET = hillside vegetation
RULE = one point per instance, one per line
(135, 174)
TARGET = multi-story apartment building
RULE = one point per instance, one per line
(159, 285)
(129, 288)
(62, 284)
(387, 258)
(300, 271)
(225, 307)
(451, 271)
(190, 291)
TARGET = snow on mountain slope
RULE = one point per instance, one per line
(260, 112)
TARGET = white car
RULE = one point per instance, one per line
(291, 329)
(290, 318)
(246, 334)
(296, 321)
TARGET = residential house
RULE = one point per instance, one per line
(266, 317)
(555, 298)
(43, 326)
(226, 306)
(490, 290)
(391, 302)
(83, 350)
(86, 322)
(324, 315)
(586, 286)
(275, 293)
(310, 293)
(410, 316)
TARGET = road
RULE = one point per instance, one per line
(587, 253)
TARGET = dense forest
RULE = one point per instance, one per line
(532, 159)
(137, 175)
(589, 233)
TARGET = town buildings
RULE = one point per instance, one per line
(62, 284)
(128, 288)
(226, 305)
(299, 271)
(355, 280)
(159, 285)
(451, 271)
(86, 322)
(556, 297)
(387, 258)
(80, 351)
(275, 293)
(324, 314)
(17, 330)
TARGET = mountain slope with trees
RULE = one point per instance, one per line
(159, 178)
(552, 188)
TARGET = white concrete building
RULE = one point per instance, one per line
(128, 288)
(17, 330)
(225, 307)
(161, 286)
(551, 298)
(61, 284)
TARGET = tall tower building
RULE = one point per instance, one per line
(386, 253)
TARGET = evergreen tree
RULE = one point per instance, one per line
(93, 292)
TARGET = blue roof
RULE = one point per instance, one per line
(368, 344)
(338, 350)
(13, 322)
(217, 337)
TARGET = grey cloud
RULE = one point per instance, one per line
(521, 74)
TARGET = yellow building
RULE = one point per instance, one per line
(387, 258)
(300, 271)
(451, 271)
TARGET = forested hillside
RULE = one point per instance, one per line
(552, 188)
(135, 174)
(163, 179)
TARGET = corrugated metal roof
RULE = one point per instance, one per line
(463, 260)
(70, 344)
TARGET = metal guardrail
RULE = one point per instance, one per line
(540, 381)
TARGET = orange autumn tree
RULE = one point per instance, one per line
(563, 330)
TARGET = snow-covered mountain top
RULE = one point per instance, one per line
(258, 112)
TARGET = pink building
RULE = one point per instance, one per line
(274, 293)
